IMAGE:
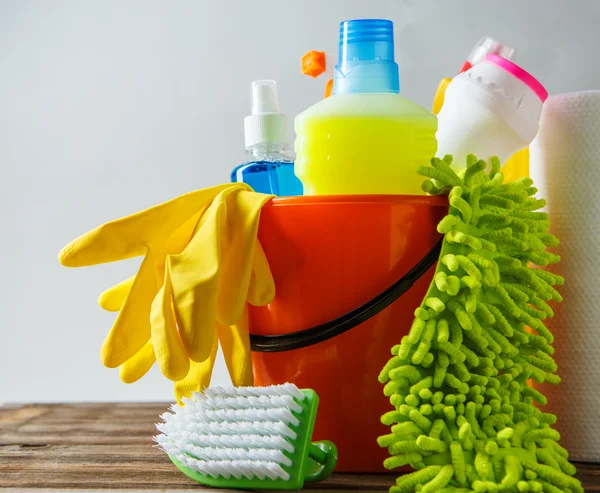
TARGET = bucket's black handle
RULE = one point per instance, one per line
(322, 332)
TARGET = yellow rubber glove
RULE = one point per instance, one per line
(176, 315)
(138, 365)
(215, 267)
(259, 293)
(144, 233)
(113, 298)
(233, 341)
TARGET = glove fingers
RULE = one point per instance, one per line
(237, 256)
(113, 298)
(235, 343)
(131, 329)
(138, 365)
(198, 378)
(195, 280)
(131, 236)
(261, 291)
(170, 353)
(175, 243)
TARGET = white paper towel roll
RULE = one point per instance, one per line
(565, 166)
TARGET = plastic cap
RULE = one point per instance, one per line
(487, 46)
(366, 58)
(314, 63)
(266, 124)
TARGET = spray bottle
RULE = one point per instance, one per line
(270, 167)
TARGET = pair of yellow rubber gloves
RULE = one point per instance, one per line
(202, 264)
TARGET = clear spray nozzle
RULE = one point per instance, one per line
(264, 97)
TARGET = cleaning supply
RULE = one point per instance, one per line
(331, 256)
(315, 64)
(484, 47)
(517, 166)
(564, 164)
(202, 264)
(492, 109)
(365, 138)
(248, 437)
(270, 168)
(464, 415)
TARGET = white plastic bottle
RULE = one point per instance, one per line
(492, 109)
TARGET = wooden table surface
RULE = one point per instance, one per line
(109, 446)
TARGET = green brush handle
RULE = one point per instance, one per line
(322, 457)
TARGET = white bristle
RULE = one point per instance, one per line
(273, 390)
(252, 454)
(260, 402)
(228, 468)
(236, 415)
(239, 432)
(232, 441)
(263, 428)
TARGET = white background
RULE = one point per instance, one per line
(108, 107)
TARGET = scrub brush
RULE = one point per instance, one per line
(464, 414)
(247, 437)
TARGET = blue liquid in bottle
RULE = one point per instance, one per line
(269, 168)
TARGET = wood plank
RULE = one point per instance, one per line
(90, 423)
(126, 466)
(14, 416)
(105, 446)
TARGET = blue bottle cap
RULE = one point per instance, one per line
(366, 58)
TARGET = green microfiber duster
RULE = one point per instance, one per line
(464, 416)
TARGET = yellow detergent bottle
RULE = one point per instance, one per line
(365, 138)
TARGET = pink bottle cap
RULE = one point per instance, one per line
(520, 74)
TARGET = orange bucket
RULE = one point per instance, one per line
(336, 261)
